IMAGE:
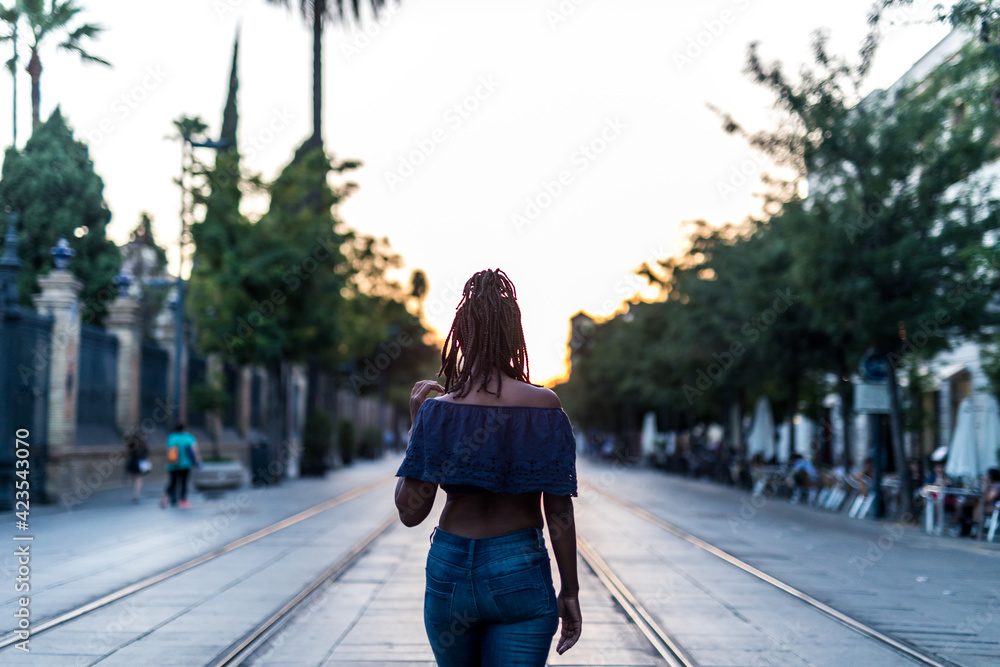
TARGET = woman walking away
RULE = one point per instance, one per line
(182, 455)
(503, 451)
(137, 464)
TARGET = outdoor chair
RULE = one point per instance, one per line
(862, 502)
(852, 494)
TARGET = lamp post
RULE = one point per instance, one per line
(187, 211)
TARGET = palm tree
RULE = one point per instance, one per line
(316, 12)
(11, 16)
(44, 21)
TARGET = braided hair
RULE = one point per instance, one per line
(486, 336)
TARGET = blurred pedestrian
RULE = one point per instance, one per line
(137, 464)
(182, 455)
(503, 451)
(991, 494)
(802, 476)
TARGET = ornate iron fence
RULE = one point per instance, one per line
(25, 356)
(197, 375)
(154, 403)
(98, 377)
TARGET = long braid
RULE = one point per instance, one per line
(485, 336)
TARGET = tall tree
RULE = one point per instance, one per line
(51, 182)
(10, 17)
(896, 194)
(43, 21)
(317, 13)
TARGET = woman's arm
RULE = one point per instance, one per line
(414, 500)
(415, 497)
(562, 532)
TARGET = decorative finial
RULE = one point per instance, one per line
(123, 281)
(61, 254)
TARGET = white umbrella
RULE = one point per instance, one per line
(963, 457)
(784, 442)
(805, 431)
(761, 439)
(648, 437)
(990, 443)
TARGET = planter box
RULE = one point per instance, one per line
(220, 475)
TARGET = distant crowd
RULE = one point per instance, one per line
(968, 504)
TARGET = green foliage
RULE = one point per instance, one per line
(270, 291)
(370, 446)
(51, 183)
(989, 357)
(317, 438)
(346, 440)
(891, 251)
(208, 398)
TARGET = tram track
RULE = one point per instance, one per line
(899, 646)
(244, 649)
(672, 652)
(153, 580)
(662, 642)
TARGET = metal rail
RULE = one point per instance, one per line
(899, 646)
(244, 648)
(195, 562)
(663, 643)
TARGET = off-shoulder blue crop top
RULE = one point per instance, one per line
(500, 449)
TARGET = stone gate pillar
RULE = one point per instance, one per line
(123, 322)
(60, 300)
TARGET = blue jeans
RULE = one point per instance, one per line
(490, 601)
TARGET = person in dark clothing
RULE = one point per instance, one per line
(503, 451)
(137, 462)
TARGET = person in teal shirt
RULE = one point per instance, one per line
(182, 455)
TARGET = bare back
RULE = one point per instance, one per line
(486, 514)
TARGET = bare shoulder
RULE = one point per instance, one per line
(538, 397)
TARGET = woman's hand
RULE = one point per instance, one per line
(572, 623)
(419, 395)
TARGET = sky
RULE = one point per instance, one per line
(563, 141)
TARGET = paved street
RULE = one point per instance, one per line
(940, 594)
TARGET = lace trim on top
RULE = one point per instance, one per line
(502, 449)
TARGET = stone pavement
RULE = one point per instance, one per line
(374, 616)
(940, 593)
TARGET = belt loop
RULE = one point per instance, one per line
(431, 538)
(541, 538)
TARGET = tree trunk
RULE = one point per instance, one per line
(319, 11)
(13, 76)
(34, 69)
(277, 396)
(844, 386)
(896, 427)
(793, 402)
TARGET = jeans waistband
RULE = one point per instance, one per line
(477, 545)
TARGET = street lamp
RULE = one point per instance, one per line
(187, 211)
